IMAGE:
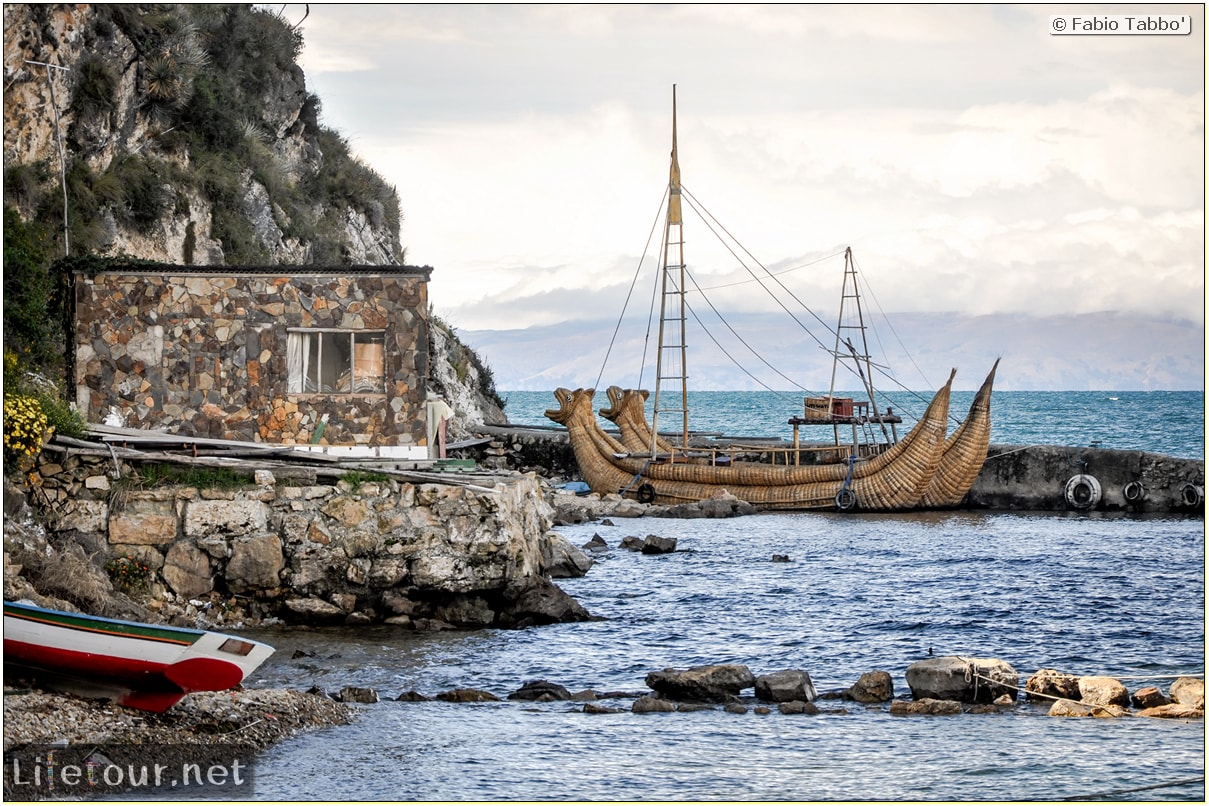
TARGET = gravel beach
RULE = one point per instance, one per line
(199, 729)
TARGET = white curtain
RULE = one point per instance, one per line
(299, 357)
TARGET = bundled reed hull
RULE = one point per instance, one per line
(895, 480)
(965, 452)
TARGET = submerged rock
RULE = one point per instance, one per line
(716, 683)
(467, 695)
(652, 705)
(926, 706)
(798, 707)
(596, 544)
(1080, 709)
(654, 544)
(540, 691)
(357, 694)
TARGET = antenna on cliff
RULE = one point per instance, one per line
(59, 143)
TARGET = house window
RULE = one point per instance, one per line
(336, 362)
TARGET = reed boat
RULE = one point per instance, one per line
(873, 471)
(964, 453)
(145, 666)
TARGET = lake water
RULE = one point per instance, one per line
(1171, 423)
(1085, 593)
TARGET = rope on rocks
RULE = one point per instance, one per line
(1117, 792)
(973, 675)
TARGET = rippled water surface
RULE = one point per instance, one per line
(1122, 596)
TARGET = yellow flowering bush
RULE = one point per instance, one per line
(25, 427)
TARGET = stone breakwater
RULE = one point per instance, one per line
(1014, 478)
(937, 686)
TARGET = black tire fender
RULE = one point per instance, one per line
(1082, 492)
(1134, 492)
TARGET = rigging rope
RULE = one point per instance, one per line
(750, 349)
(734, 247)
(715, 227)
(633, 282)
(709, 221)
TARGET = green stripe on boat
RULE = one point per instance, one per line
(148, 632)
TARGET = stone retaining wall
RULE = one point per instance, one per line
(420, 555)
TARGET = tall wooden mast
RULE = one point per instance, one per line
(670, 363)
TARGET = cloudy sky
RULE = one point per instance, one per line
(973, 161)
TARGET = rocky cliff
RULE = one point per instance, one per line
(185, 134)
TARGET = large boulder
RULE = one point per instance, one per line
(961, 679)
(1188, 691)
(560, 559)
(542, 602)
(1097, 690)
(871, 687)
(1051, 684)
(786, 686)
(715, 683)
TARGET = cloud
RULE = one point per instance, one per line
(974, 162)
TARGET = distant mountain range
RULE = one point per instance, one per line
(1101, 351)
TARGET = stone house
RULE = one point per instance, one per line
(299, 355)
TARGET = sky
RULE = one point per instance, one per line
(973, 161)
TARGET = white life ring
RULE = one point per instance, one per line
(1134, 492)
(1192, 495)
(1082, 491)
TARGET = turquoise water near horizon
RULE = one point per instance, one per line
(1170, 423)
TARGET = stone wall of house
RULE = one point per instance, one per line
(206, 354)
(315, 550)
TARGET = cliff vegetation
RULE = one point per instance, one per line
(176, 133)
